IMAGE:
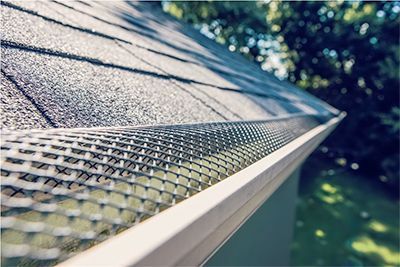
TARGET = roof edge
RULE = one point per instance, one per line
(189, 232)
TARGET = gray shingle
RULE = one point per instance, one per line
(119, 63)
(80, 94)
(16, 110)
(31, 30)
(244, 107)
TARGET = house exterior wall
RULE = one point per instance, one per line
(265, 238)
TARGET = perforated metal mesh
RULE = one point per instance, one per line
(65, 190)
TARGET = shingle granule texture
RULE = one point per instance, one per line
(72, 64)
(16, 110)
(77, 65)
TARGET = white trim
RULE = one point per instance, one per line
(189, 232)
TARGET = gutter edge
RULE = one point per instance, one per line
(203, 225)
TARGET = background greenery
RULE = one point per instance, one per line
(344, 219)
(346, 53)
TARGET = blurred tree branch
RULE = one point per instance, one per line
(346, 53)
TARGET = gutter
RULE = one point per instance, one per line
(189, 232)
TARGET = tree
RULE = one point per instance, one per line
(346, 53)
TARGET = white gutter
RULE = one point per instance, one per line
(189, 232)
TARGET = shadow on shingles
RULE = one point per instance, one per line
(88, 31)
(245, 84)
(155, 36)
(49, 52)
(205, 61)
(263, 86)
(241, 82)
(136, 21)
(138, 29)
(149, 9)
(152, 35)
(36, 105)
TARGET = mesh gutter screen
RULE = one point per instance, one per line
(65, 190)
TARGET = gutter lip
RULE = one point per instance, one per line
(166, 240)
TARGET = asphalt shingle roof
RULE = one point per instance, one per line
(75, 64)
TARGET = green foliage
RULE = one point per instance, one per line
(392, 120)
(346, 53)
(337, 225)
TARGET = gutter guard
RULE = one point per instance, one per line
(65, 190)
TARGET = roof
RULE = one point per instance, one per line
(86, 64)
(157, 122)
